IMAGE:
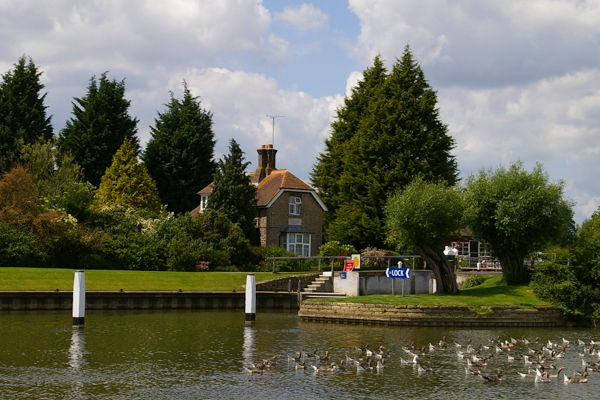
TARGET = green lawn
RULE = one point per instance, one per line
(52, 279)
(490, 293)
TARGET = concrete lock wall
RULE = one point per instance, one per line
(362, 283)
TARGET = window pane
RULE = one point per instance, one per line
(306, 239)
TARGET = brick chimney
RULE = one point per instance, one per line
(266, 162)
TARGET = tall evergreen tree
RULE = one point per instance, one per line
(22, 111)
(232, 193)
(387, 133)
(179, 156)
(99, 126)
(127, 182)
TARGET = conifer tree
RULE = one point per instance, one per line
(179, 156)
(388, 132)
(232, 194)
(99, 125)
(127, 182)
(22, 111)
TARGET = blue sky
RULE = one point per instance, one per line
(517, 79)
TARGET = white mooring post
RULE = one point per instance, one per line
(79, 299)
(250, 299)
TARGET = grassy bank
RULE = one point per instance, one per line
(52, 279)
(490, 293)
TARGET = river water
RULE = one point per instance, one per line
(203, 355)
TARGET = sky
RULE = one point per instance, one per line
(515, 79)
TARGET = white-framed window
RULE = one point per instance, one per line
(203, 202)
(298, 243)
(295, 205)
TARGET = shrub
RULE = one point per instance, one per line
(558, 284)
(379, 262)
(282, 265)
(473, 281)
(334, 248)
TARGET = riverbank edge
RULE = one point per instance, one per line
(426, 316)
(145, 300)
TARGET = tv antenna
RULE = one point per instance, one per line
(273, 118)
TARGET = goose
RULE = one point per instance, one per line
(363, 368)
(325, 357)
(301, 365)
(380, 365)
(464, 345)
(295, 357)
(529, 374)
(342, 364)
(541, 379)
(555, 376)
(409, 362)
(331, 368)
(443, 342)
(425, 370)
(583, 378)
(492, 378)
(311, 355)
(469, 372)
(363, 349)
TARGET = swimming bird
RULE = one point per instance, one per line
(583, 378)
(425, 370)
(493, 378)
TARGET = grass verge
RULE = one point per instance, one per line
(492, 292)
(52, 279)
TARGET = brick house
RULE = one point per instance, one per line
(289, 213)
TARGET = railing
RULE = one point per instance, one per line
(334, 258)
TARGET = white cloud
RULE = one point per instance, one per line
(304, 17)
(241, 102)
(551, 121)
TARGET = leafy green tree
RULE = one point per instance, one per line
(98, 127)
(419, 218)
(232, 194)
(59, 180)
(127, 182)
(22, 111)
(179, 156)
(388, 132)
(516, 212)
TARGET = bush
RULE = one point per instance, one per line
(558, 284)
(473, 281)
(334, 248)
(283, 265)
(379, 262)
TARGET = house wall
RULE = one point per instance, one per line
(272, 220)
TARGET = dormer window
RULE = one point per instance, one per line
(203, 202)
(295, 205)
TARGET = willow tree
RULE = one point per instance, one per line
(419, 218)
(388, 132)
(516, 212)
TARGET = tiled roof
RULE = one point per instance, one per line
(278, 179)
(207, 189)
(268, 188)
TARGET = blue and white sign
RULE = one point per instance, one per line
(342, 275)
(403, 273)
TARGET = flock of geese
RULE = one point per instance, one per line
(539, 359)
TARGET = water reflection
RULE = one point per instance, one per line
(197, 354)
(248, 350)
(76, 349)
